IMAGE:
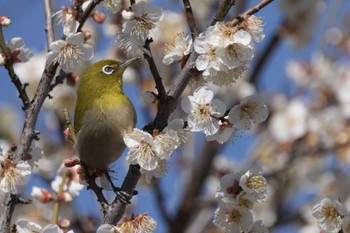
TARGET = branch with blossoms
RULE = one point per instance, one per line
(233, 46)
(17, 53)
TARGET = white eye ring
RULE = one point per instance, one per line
(107, 69)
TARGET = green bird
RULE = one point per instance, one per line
(103, 114)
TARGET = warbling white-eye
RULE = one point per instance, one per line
(103, 114)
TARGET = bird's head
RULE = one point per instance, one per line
(106, 72)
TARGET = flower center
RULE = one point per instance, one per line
(256, 182)
(330, 213)
(234, 216)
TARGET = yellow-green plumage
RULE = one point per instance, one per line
(103, 115)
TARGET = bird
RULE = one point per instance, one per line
(103, 114)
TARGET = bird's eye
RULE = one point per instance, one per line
(107, 70)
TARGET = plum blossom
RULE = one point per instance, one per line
(203, 111)
(66, 17)
(225, 132)
(158, 172)
(25, 226)
(138, 27)
(142, 149)
(13, 175)
(5, 21)
(290, 122)
(139, 223)
(179, 48)
(107, 228)
(70, 53)
(233, 217)
(253, 24)
(17, 51)
(252, 182)
(251, 109)
(328, 214)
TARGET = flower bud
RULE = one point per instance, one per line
(42, 195)
(149, 98)
(99, 17)
(66, 197)
(64, 223)
(2, 59)
(128, 15)
(5, 21)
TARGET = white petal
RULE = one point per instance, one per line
(88, 52)
(75, 39)
(202, 62)
(15, 43)
(219, 107)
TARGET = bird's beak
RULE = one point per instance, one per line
(126, 63)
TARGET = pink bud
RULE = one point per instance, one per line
(66, 197)
(71, 162)
(5, 21)
(149, 98)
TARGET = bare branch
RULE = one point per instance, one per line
(50, 36)
(87, 13)
(152, 65)
(21, 88)
(224, 8)
(190, 19)
(251, 11)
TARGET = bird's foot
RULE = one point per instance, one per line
(121, 195)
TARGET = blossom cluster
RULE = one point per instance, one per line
(236, 196)
(210, 116)
(151, 151)
(139, 223)
(332, 216)
(16, 52)
(140, 22)
(224, 49)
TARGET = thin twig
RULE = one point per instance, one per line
(50, 36)
(190, 19)
(72, 135)
(87, 13)
(57, 204)
(132, 2)
(251, 11)
(224, 8)
(21, 88)
(152, 65)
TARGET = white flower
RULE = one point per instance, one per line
(148, 98)
(165, 143)
(107, 228)
(13, 175)
(145, 19)
(203, 111)
(52, 228)
(140, 223)
(257, 227)
(142, 150)
(251, 108)
(159, 171)
(224, 76)
(328, 214)
(224, 133)
(2, 59)
(178, 48)
(178, 125)
(207, 60)
(136, 30)
(237, 52)
(66, 17)
(113, 5)
(25, 226)
(18, 52)
(229, 186)
(289, 123)
(41, 194)
(253, 25)
(254, 183)
(232, 217)
(70, 53)
(71, 182)
(5, 21)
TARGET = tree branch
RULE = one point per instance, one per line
(224, 8)
(156, 76)
(251, 11)
(50, 36)
(190, 19)
(87, 13)
(21, 88)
